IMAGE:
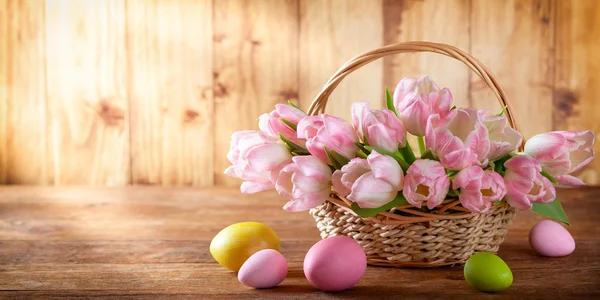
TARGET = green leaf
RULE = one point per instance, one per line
(421, 144)
(552, 210)
(428, 155)
(498, 166)
(502, 111)
(453, 193)
(288, 123)
(334, 162)
(292, 104)
(291, 146)
(363, 148)
(407, 153)
(300, 152)
(451, 173)
(389, 101)
(403, 164)
(369, 212)
(340, 158)
(552, 179)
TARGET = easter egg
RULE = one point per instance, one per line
(549, 238)
(487, 272)
(264, 269)
(233, 245)
(335, 263)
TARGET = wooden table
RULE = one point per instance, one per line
(152, 243)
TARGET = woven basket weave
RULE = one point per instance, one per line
(406, 236)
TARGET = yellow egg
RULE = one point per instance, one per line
(233, 245)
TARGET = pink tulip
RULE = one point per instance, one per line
(562, 153)
(524, 183)
(381, 129)
(503, 139)
(328, 131)
(461, 140)
(426, 181)
(257, 159)
(417, 99)
(272, 124)
(370, 182)
(479, 188)
(305, 183)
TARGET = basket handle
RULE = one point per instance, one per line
(318, 105)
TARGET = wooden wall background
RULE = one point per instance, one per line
(113, 92)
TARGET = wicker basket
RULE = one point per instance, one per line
(406, 236)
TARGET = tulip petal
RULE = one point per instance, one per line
(338, 186)
(567, 181)
(306, 201)
(290, 113)
(549, 191)
(267, 157)
(580, 159)
(358, 111)
(307, 127)
(462, 179)
(518, 200)
(370, 192)
(248, 187)
(312, 167)
(386, 168)
(284, 185)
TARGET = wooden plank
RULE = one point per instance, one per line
(211, 279)
(23, 93)
(255, 67)
(87, 101)
(90, 214)
(123, 252)
(436, 21)
(515, 40)
(4, 85)
(177, 265)
(577, 77)
(331, 33)
(170, 58)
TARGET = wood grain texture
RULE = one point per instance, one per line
(24, 137)
(149, 92)
(170, 89)
(87, 126)
(4, 86)
(576, 104)
(92, 249)
(434, 21)
(255, 57)
(515, 39)
(331, 33)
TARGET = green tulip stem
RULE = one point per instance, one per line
(421, 145)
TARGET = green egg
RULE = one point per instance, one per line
(487, 272)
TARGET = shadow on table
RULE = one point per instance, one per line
(299, 289)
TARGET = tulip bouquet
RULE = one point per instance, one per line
(468, 155)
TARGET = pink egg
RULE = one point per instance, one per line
(264, 269)
(334, 264)
(550, 238)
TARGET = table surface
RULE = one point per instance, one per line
(152, 242)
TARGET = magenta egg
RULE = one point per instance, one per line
(549, 238)
(335, 264)
(264, 269)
